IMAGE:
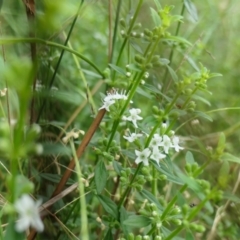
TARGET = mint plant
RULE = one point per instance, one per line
(104, 143)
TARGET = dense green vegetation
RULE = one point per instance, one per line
(121, 117)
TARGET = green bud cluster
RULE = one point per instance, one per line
(114, 149)
(124, 176)
(191, 168)
(135, 30)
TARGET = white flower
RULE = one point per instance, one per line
(134, 116)
(157, 155)
(28, 214)
(106, 104)
(142, 156)
(156, 141)
(72, 134)
(166, 143)
(175, 141)
(132, 136)
(111, 98)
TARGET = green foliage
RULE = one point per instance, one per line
(72, 72)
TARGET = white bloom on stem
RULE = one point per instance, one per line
(132, 136)
(156, 141)
(134, 116)
(175, 141)
(28, 214)
(106, 104)
(111, 98)
(166, 143)
(143, 156)
(157, 155)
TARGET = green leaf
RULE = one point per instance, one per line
(109, 235)
(123, 217)
(170, 176)
(191, 8)
(223, 175)
(158, 5)
(163, 61)
(100, 176)
(189, 235)
(117, 69)
(117, 167)
(203, 115)
(11, 234)
(172, 73)
(146, 194)
(212, 75)
(231, 197)
(92, 74)
(201, 99)
(137, 221)
(221, 144)
(156, 19)
(189, 157)
(108, 205)
(178, 39)
(136, 47)
(229, 157)
(55, 178)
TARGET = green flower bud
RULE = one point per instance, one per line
(148, 33)
(195, 167)
(176, 221)
(130, 236)
(128, 171)
(145, 171)
(162, 177)
(138, 237)
(139, 59)
(185, 209)
(122, 22)
(188, 168)
(158, 237)
(155, 110)
(149, 66)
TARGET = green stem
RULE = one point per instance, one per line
(84, 219)
(172, 50)
(49, 43)
(154, 181)
(129, 31)
(129, 187)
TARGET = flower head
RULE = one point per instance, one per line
(175, 141)
(156, 141)
(111, 98)
(28, 214)
(157, 155)
(132, 136)
(166, 143)
(134, 116)
(142, 156)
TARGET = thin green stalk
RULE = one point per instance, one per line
(154, 181)
(49, 43)
(78, 65)
(172, 50)
(84, 220)
(129, 187)
(129, 30)
(115, 28)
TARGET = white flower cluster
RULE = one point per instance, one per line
(111, 98)
(158, 148)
